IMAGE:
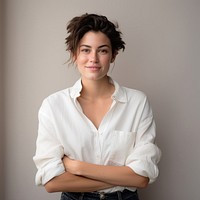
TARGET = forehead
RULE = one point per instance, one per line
(92, 38)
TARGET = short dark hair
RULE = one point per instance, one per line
(78, 26)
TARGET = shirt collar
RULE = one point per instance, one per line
(118, 95)
(75, 90)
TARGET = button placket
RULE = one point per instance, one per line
(97, 148)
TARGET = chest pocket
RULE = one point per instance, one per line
(122, 143)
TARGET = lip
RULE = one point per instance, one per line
(93, 68)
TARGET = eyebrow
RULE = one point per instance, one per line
(104, 45)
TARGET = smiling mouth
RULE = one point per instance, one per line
(93, 67)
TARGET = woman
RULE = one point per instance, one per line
(96, 139)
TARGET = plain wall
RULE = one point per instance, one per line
(1, 99)
(161, 59)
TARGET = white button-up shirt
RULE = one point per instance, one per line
(125, 136)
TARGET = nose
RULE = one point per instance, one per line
(94, 57)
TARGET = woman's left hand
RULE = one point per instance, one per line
(113, 175)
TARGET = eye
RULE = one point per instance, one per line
(85, 50)
(103, 51)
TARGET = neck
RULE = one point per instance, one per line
(93, 89)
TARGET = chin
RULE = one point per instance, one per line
(94, 78)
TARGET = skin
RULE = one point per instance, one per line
(93, 59)
(114, 175)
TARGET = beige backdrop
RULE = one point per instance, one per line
(161, 59)
(1, 101)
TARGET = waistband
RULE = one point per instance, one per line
(118, 195)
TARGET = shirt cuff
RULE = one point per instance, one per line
(48, 172)
(144, 160)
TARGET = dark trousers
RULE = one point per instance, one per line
(124, 195)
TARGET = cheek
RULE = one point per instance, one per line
(108, 60)
(80, 61)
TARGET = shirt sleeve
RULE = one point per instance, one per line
(49, 151)
(145, 155)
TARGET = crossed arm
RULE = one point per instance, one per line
(86, 177)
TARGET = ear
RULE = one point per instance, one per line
(114, 56)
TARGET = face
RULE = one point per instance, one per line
(94, 55)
